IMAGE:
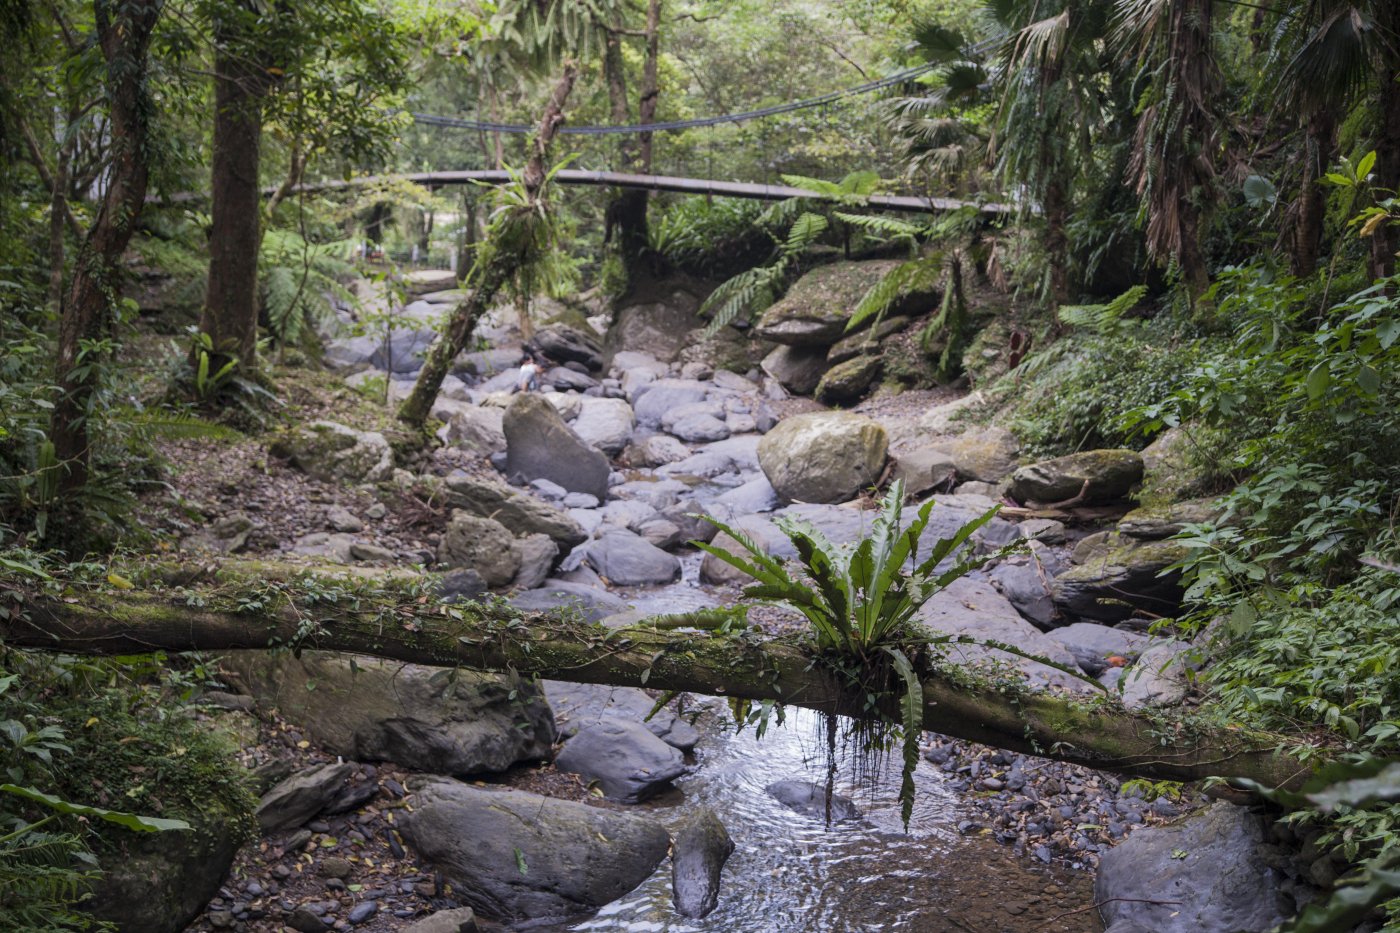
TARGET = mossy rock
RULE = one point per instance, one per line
(1091, 476)
(1155, 522)
(986, 456)
(848, 382)
(816, 308)
(865, 341)
(1125, 576)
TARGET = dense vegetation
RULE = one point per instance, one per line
(1203, 241)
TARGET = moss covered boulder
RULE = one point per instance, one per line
(1092, 476)
(797, 369)
(815, 309)
(1123, 576)
(848, 382)
(521, 513)
(1163, 521)
(985, 456)
(336, 453)
(823, 456)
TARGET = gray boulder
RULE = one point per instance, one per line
(482, 544)
(457, 920)
(606, 423)
(537, 556)
(515, 857)
(350, 354)
(700, 429)
(419, 717)
(658, 326)
(521, 513)
(1119, 576)
(823, 456)
(301, 796)
(564, 379)
(1027, 586)
(627, 761)
(658, 398)
(625, 558)
(816, 308)
(539, 445)
(1155, 523)
(811, 800)
(698, 853)
(1213, 870)
(403, 352)
(335, 453)
(477, 429)
(579, 705)
(1092, 476)
(797, 369)
(757, 495)
(654, 451)
(925, 470)
(985, 456)
(564, 343)
(848, 382)
(1158, 678)
(1094, 645)
(590, 602)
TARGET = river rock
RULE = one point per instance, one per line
(810, 800)
(925, 470)
(1213, 870)
(1155, 523)
(627, 761)
(823, 456)
(351, 354)
(483, 544)
(659, 398)
(417, 717)
(797, 369)
(564, 343)
(403, 351)
(1100, 475)
(1175, 464)
(606, 423)
(1158, 678)
(700, 429)
(756, 528)
(579, 705)
(1026, 585)
(816, 308)
(698, 853)
(537, 556)
(335, 453)
(589, 602)
(1094, 646)
(457, 920)
(301, 796)
(567, 404)
(655, 451)
(513, 856)
(985, 456)
(659, 326)
(757, 495)
(338, 548)
(848, 382)
(625, 558)
(521, 513)
(1121, 577)
(479, 430)
(540, 445)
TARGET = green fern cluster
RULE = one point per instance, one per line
(297, 280)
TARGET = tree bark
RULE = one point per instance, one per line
(124, 29)
(1312, 199)
(487, 278)
(1387, 168)
(230, 315)
(627, 214)
(391, 621)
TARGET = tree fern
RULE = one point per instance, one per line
(1105, 319)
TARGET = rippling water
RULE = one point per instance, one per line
(791, 874)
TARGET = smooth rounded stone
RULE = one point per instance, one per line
(658, 326)
(300, 797)
(1153, 524)
(628, 513)
(1093, 645)
(741, 424)
(1046, 530)
(697, 370)
(756, 495)
(564, 343)
(713, 408)
(537, 556)
(339, 518)
(624, 758)
(849, 381)
(662, 533)
(733, 382)
(741, 451)
(658, 398)
(810, 799)
(549, 490)
(1027, 586)
(567, 404)
(624, 360)
(461, 585)
(483, 544)
(403, 351)
(521, 513)
(985, 456)
(579, 500)
(336, 548)
(816, 308)
(336, 453)
(1173, 466)
(657, 493)
(590, 520)
(592, 603)
(362, 912)
(606, 423)
(348, 354)
(304, 920)
(375, 710)
(1214, 870)
(539, 445)
(655, 451)
(501, 361)
(691, 520)
(579, 705)
(624, 558)
(1120, 575)
(1158, 678)
(229, 534)
(698, 852)
(796, 369)
(514, 856)
(700, 429)
(458, 920)
(1092, 477)
(476, 429)
(973, 608)
(823, 456)
(924, 470)
(1092, 547)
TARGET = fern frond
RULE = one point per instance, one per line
(1104, 319)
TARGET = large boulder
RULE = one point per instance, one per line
(659, 397)
(418, 717)
(521, 513)
(1097, 647)
(1213, 870)
(924, 470)
(823, 456)
(569, 344)
(1091, 476)
(658, 325)
(477, 429)
(797, 369)
(702, 846)
(513, 856)
(1153, 523)
(985, 456)
(336, 453)
(590, 602)
(848, 382)
(606, 423)
(1120, 577)
(625, 558)
(402, 353)
(816, 308)
(579, 705)
(481, 544)
(539, 445)
(627, 761)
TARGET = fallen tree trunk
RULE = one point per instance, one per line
(277, 606)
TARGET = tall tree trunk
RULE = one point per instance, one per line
(124, 29)
(782, 669)
(1057, 241)
(488, 278)
(1387, 168)
(627, 215)
(1312, 199)
(58, 217)
(230, 316)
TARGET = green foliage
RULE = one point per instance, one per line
(1105, 320)
(707, 235)
(298, 279)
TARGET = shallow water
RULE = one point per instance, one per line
(792, 874)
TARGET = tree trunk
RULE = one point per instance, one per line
(124, 29)
(1387, 168)
(1057, 241)
(488, 278)
(388, 620)
(627, 214)
(1312, 198)
(230, 316)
